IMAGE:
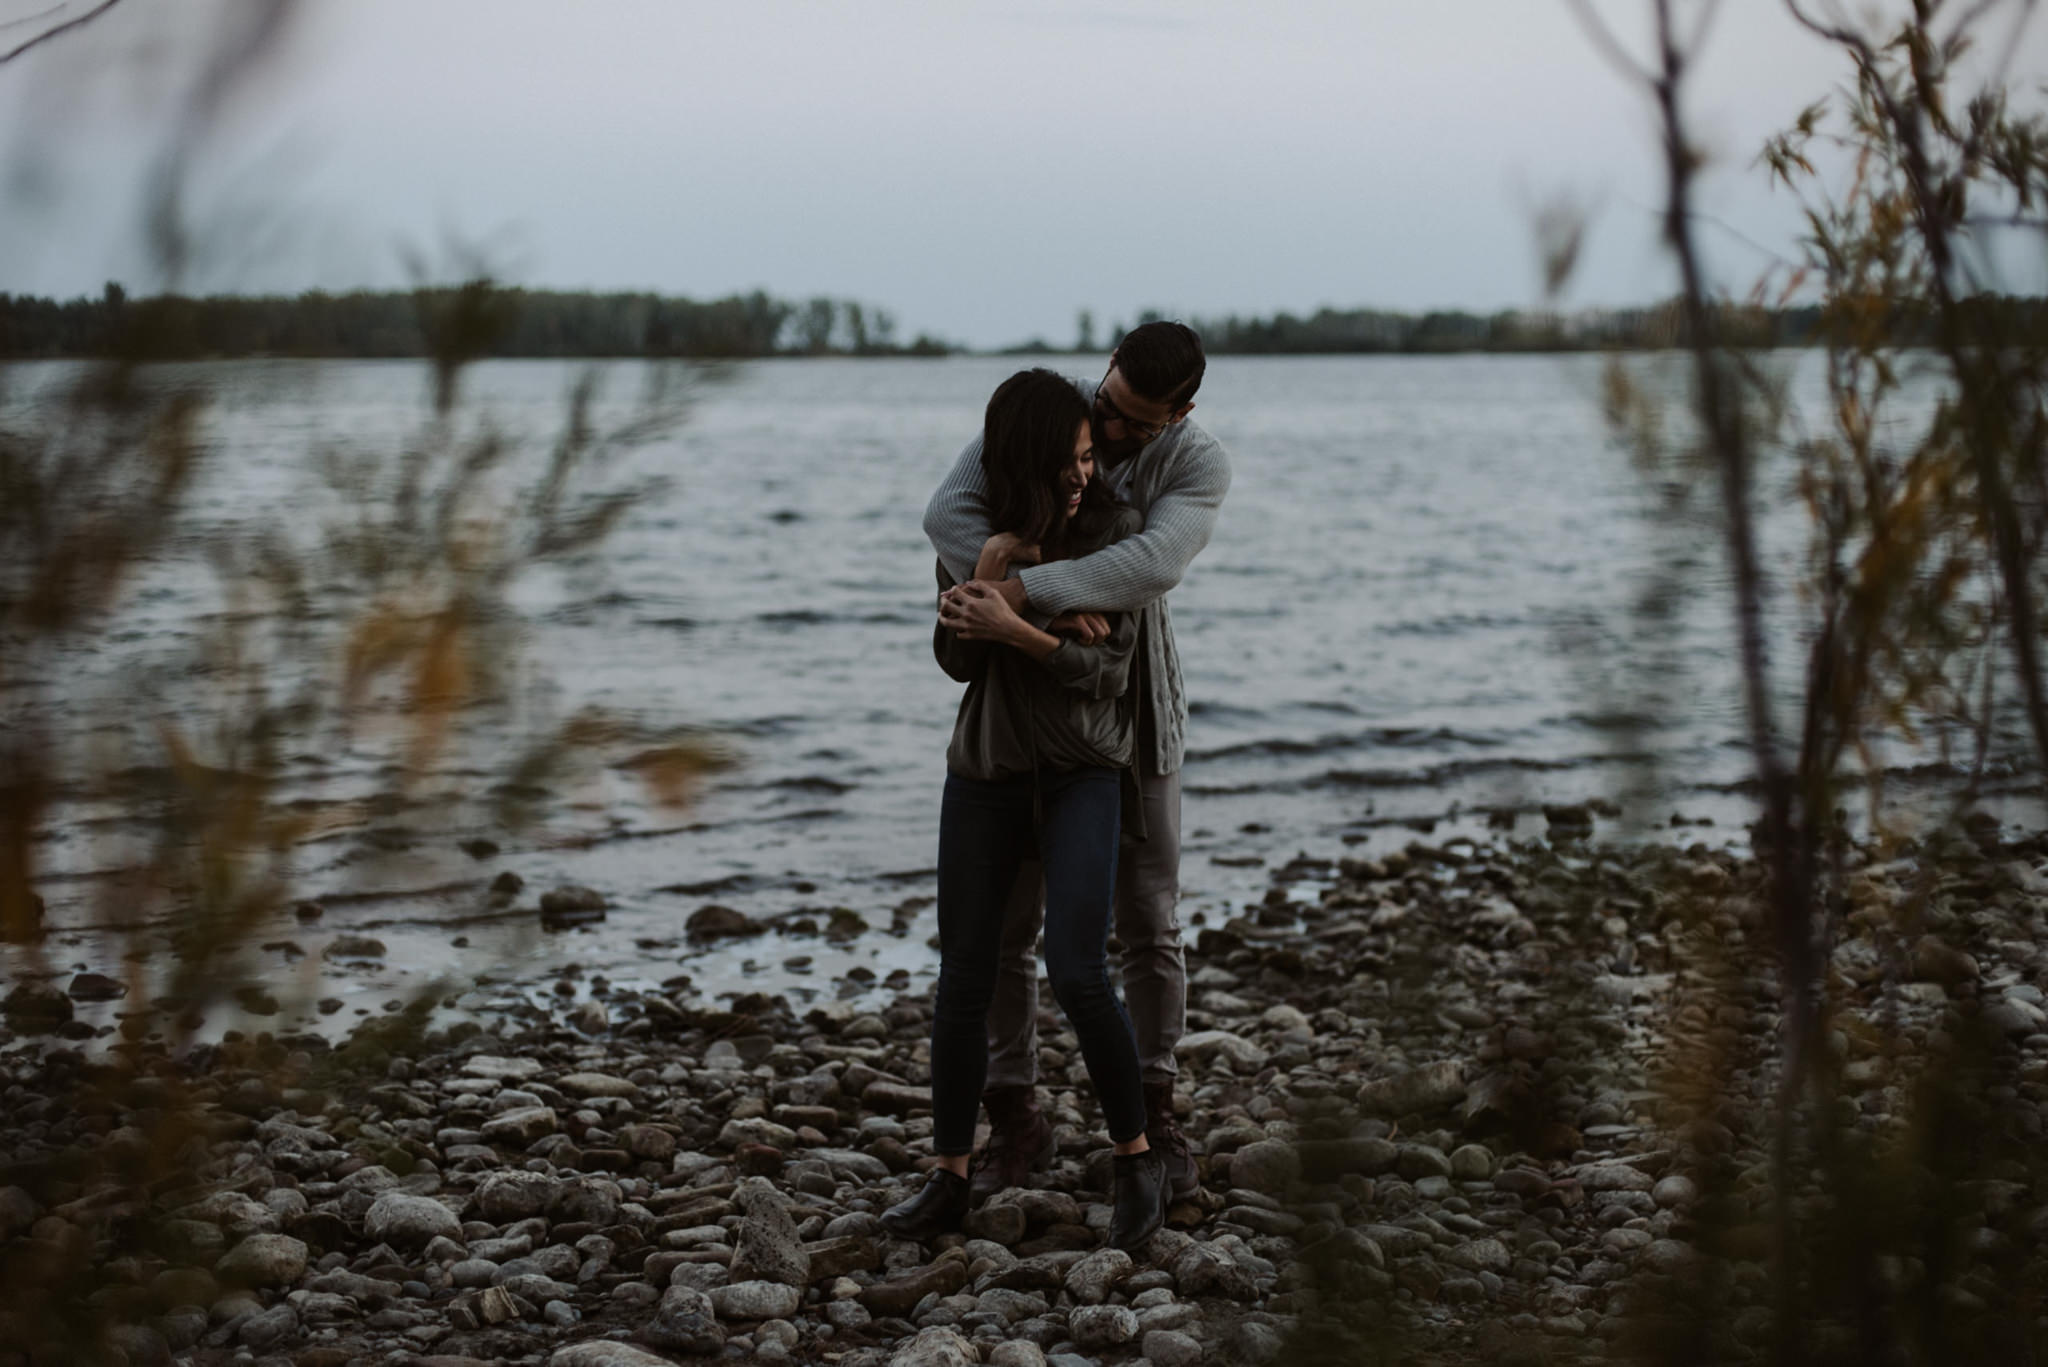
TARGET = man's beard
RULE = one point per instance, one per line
(1115, 452)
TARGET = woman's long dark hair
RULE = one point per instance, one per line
(1027, 441)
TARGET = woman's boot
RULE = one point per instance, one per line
(938, 1208)
(1140, 1197)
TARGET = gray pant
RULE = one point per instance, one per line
(1155, 975)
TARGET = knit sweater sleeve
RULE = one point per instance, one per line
(1126, 576)
(956, 519)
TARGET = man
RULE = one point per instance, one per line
(1176, 475)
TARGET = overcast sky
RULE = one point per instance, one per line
(983, 168)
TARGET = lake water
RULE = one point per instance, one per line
(1416, 606)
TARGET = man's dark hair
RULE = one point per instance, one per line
(1027, 441)
(1162, 361)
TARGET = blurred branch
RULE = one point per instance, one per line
(1610, 46)
(1695, 40)
(37, 17)
(67, 26)
(1936, 202)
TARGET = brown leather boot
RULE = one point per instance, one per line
(1162, 1131)
(1019, 1141)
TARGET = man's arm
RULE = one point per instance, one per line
(956, 519)
(1126, 576)
(979, 615)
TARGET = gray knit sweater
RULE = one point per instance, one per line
(1178, 482)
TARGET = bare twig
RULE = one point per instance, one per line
(1970, 366)
(65, 27)
(1698, 37)
(1610, 47)
(35, 18)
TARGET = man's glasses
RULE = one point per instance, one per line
(1107, 411)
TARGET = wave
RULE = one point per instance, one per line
(813, 617)
(716, 887)
(1385, 737)
(907, 875)
(1432, 776)
(811, 783)
(1455, 624)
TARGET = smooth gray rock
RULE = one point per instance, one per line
(1471, 1162)
(685, 1322)
(520, 1126)
(1102, 1326)
(409, 1221)
(595, 1200)
(702, 1276)
(507, 1197)
(1269, 1166)
(1090, 1280)
(605, 1353)
(1244, 1055)
(1670, 1257)
(1010, 1306)
(940, 1346)
(1205, 1270)
(1417, 1161)
(473, 1272)
(1481, 1255)
(263, 1260)
(266, 1327)
(1170, 1348)
(755, 1301)
(1017, 1353)
(768, 1248)
(502, 1069)
(583, 1086)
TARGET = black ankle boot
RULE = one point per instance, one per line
(938, 1208)
(1140, 1183)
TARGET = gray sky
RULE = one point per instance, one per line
(983, 169)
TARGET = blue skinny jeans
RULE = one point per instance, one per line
(985, 832)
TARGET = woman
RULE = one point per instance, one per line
(1035, 769)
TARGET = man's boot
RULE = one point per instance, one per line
(1019, 1141)
(937, 1209)
(1162, 1132)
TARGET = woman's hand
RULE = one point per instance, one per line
(1088, 628)
(1001, 551)
(975, 611)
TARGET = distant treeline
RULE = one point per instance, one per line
(555, 323)
(1364, 331)
(397, 323)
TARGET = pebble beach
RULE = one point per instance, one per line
(1448, 1098)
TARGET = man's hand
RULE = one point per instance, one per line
(1088, 628)
(1012, 591)
(979, 611)
(1001, 551)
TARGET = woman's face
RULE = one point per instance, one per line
(1079, 470)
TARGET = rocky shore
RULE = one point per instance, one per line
(1474, 1101)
